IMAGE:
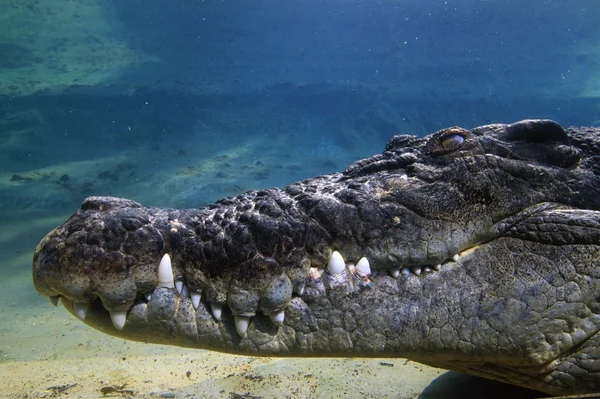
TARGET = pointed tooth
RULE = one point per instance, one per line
(315, 273)
(196, 299)
(395, 273)
(118, 317)
(241, 324)
(148, 296)
(278, 317)
(81, 309)
(54, 300)
(362, 267)
(336, 264)
(299, 290)
(185, 291)
(405, 271)
(165, 272)
(216, 309)
(416, 270)
(455, 258)
(427, 269)
(437, 267)
(404, 177)
(179, 286)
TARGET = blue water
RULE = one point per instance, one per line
(180, 103)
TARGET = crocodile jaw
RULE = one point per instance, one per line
(453, 315)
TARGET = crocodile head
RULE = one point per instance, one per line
(473, 250)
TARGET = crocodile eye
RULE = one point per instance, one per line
(448, 141)
(452, 142)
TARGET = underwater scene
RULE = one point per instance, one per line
(178, 104)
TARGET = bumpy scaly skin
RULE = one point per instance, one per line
(484, 246)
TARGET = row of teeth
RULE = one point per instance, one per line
(166, 280)
(335, 267)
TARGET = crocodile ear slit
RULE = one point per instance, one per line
(536, 131)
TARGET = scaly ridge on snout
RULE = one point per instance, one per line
(475, 250)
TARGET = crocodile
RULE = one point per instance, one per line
(475, 250)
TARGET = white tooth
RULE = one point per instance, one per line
(455, 258)
(427, 269)
(241, 324)
(217, 309)
(165, 272)
(278, 317)
(315, 273)
(179, 286)
(336, 264)
(362, 267)
(405, 271)
(118, 317)
(404, 177)
(196, 299)
(395, 273)
(148, 296)
(54, 300)
(185, 291)
(437, 267)
(416, 270)
(81, 309)
(299, 291)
